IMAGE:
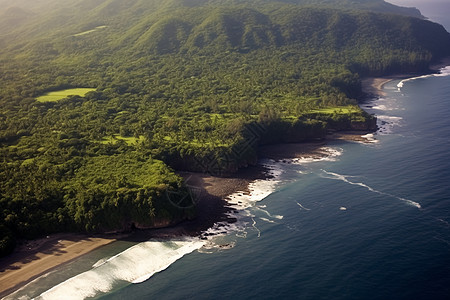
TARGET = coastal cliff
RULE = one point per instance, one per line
(177, 85)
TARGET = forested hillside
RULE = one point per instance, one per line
(185, 85)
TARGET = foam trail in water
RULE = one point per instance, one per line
(133, 265)
(256, 228)
(443, 221)
(323, 154)
(269, 214)
(442, 72)
(301, 206)
(246, 203)
(143, 260)
(267, 220)
(335, 176)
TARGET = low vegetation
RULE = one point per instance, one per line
(58, 95)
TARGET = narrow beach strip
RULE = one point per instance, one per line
(27, 265)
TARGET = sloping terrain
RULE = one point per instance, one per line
(195, 85)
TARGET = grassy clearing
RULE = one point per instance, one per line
(130, 140)
(338, 110)
(58, 95)
(28, 161)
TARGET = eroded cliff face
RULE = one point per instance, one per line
(368, 125)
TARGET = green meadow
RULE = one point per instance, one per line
(343, 110)
(58, 95)
(130, 140)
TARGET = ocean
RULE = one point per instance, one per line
(368, 221)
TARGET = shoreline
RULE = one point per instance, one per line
(35, 258)
(373, 86)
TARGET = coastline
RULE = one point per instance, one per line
(36, 258)
(373, 86)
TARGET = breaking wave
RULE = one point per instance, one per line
(140, 262)
(442, 72)
(323, 154)
(133, 265)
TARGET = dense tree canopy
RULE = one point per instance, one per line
(194, 85)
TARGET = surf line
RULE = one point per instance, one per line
(442, 72)
(336, 176)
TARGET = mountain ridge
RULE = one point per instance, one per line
(196, 87)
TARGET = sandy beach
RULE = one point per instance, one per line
(374, 86)
(34, 258)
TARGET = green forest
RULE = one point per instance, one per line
(102, 101)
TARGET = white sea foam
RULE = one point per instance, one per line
(445, 71)
(335, 176)
(304, 172)
(133, 265)
(381, 107)
(267, 220)
(386, 124)
(384, 104)
(246, 202)
(256, 228)
(324, 154)
(210, 246)
(268, 214)
(302, 207)
(100, 262)
(143, 260)
(258, 190)
(17, 295)
(442, 72)
(370, 138)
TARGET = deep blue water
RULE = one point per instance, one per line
(381, 247)
(370, 222)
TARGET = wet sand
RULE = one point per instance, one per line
(373, 87)
(34, 258)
